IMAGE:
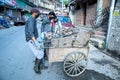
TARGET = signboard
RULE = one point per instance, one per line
(116, 13)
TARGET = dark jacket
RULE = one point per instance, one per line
(31, 29)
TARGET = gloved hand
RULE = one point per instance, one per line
(42, 36)
(37, 45)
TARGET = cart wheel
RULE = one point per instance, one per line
(75, 64)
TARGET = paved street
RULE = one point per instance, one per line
(16, 61)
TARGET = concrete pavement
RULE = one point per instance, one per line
(16, 61)
(103, 63)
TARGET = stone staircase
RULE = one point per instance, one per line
(100, 30)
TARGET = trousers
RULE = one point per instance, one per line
(39, 54)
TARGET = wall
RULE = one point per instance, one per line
(91, 13)
(78, 16)
(71, 15)
(106, 3)
(114, 36)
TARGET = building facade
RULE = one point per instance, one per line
(14, 9)
(46, 6)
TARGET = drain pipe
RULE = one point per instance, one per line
(112, 5)
(72, 2)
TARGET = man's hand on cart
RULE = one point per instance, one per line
(37, 44)
(48, 35)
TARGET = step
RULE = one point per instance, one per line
(105, 25)
(102, 29)
(100, 33)
(101, 37)
(97, 42)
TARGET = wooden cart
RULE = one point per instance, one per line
(68, 50)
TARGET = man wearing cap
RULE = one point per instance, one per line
(31, 35)
(46, 24)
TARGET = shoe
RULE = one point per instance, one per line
(44, 67)
(37, 70)
(37, 67)
(42, 64)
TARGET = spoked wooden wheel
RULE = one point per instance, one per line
(75, 64)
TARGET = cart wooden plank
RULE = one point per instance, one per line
(59, 54)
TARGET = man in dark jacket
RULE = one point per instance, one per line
(31, 34)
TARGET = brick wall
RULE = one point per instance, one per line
(114, 36)
(91, 13)
(78, 16)
(106, 3)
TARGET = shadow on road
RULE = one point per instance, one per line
(87, 75)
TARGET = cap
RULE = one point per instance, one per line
(35, 10)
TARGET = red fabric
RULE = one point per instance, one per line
(52, 23)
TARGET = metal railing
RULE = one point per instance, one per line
(100, 19)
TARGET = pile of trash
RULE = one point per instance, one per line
(79, 39)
